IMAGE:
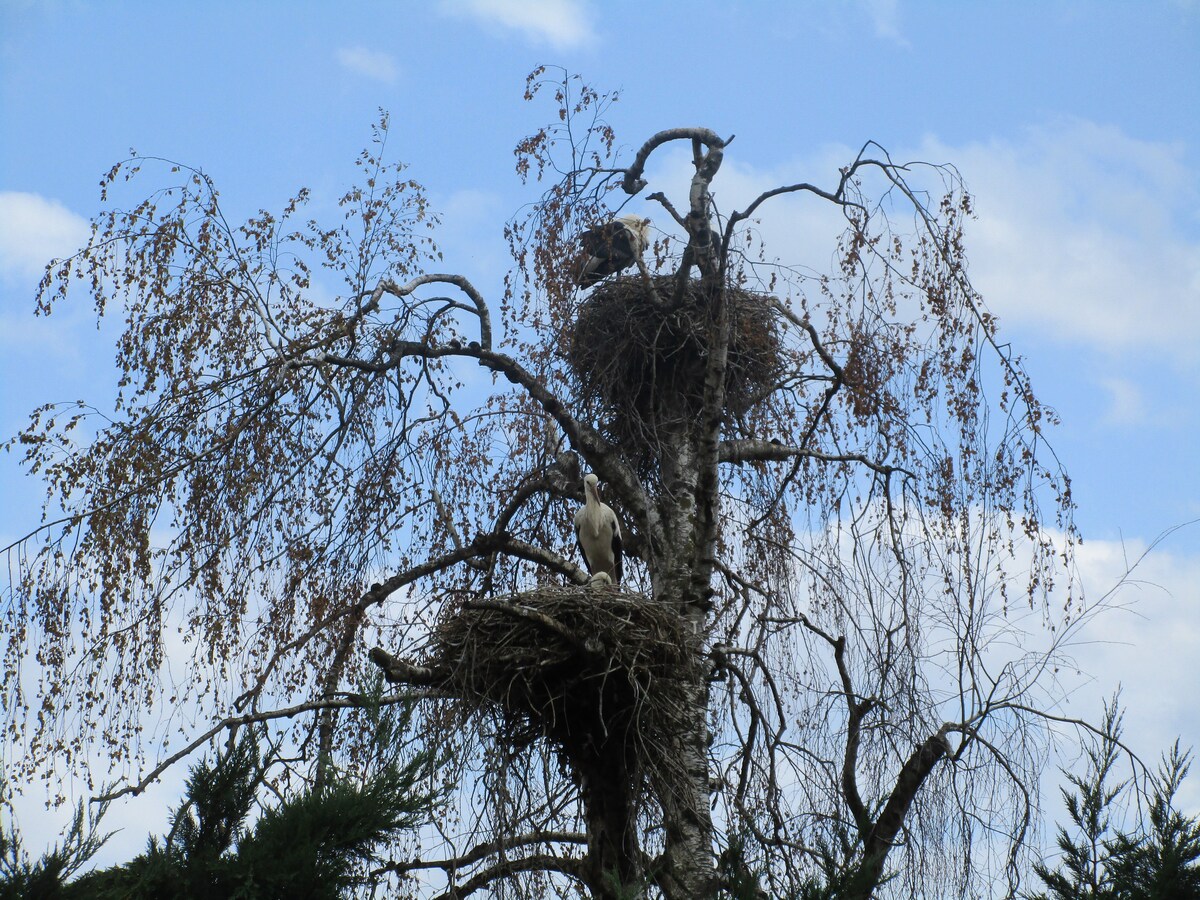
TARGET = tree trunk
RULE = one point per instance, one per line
(689, 871)
(615, 871)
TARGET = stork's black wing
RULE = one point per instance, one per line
(612, 243)
(616, 547)
(610, 248)
(578, 543)
(598, 241)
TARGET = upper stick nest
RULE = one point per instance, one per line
(644, 361)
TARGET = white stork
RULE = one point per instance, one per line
(599, 535)
(614, 246)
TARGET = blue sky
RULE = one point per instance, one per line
(1076, 124)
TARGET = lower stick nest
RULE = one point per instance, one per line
(594, 670)
(642, 358)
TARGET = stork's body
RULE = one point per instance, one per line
(614, 246)
(598, 533)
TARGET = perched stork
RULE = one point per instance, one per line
(614, 246)
(599, 535)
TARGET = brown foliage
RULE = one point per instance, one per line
(829, 475)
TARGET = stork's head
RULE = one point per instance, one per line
(638, 225)
(591, 485)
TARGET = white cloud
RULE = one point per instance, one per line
(34, 230)
(562, 24)
(51, 352)
(1084, 233)
(371, 63)
(1148, 643)
(1087, 233)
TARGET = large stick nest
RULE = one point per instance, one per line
(594, 670)
(643, 358)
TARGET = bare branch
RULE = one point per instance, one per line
(342, 702)
(752, 450)
(634, 182)
(484, 850)
(540, 862)
(480, 305)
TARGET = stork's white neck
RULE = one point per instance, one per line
(592, 512)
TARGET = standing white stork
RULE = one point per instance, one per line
(613, 246)
(599, 534)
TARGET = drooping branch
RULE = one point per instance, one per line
(553, 480)
(857, 709)
(481, 546)
(586, 439)
(721, 654)
(837, 381)
(878, 836)
(599, 453)
(912, 776)
(344, 701)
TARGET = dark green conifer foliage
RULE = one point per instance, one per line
(1164, 862)
(21, 879)
(1082, 873)
(313, 845)
(1101, 861)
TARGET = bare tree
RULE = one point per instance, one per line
(831, 656)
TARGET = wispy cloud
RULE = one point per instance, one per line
(34, 230)
(1084, 233)
(1127, 403)
(563, 24)
(1087, 233)
(373, 64)
(1146, 643)
(885, 16)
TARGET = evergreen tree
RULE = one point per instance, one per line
(21, 879)
(312, 845)
(1158, 861)
(1163, 863)
(1083, 873)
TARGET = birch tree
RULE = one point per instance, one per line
(848, 544)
